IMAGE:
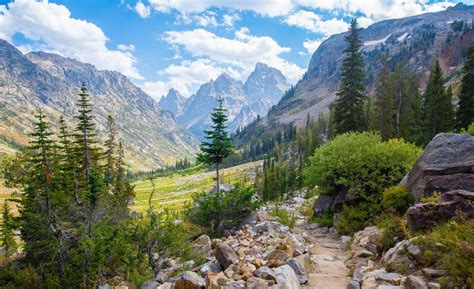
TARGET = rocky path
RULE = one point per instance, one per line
(327, 269)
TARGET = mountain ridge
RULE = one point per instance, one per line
(50, 82)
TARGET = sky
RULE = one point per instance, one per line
(181, 44)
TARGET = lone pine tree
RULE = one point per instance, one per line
(465, 113)
(218, 145)
(349, 107)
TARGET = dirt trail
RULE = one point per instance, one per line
(328, 259)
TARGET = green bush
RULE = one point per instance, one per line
(363, 165)
(397, 199)
(324, 220)
(224, 209)
(283, 216)
(469, 130)
(450, 247)
(394, 230)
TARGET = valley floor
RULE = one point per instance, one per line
(175, 191)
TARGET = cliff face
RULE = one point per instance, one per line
(51, 82)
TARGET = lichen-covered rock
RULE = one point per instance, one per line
(299, 269)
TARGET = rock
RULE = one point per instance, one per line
(401, 249)
(344, 241)
(189, 280)
(322, 204)
(369, 238)
(362, 253)
(265, 273)
(287, 245)
(235, 284)
(271, 227)
(413, 282)
(434, 285)
(216, 280)
(434, 273)
(286, 276)
(456, 205)
(151, 284)
(222, 188)
(383, 286)
(446, 164)
(225, 255)
(392, 278)
(202, 245)
(369, 283)
(256, 283)
(166, 286)
(211, 266)
(313, 226)
(276, 257)
(354, 284)
(299, 269)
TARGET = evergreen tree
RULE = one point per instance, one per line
(349, 107)
(110, 151)
(437, 105)
(465, 112)
(384, 104)
(7, 230)
(218, 145)
(67, 162)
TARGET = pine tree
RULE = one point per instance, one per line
(218, 145)
(7, 230)
(349, 107)
(110, 151)
(67, 162)
(465, 112)
(384, 104)
(437, 105)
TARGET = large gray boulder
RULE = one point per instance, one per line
(322, 204)
(446, 164)
(226, 255)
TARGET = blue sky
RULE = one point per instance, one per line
(162, 44)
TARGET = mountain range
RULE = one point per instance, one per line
(245, 101)
(416, 41)
(39, 80)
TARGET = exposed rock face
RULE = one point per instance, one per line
(173, 102)
(263, 88)
(456, 204)
(446, 164)
(51, 82)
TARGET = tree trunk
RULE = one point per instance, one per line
(217, 178)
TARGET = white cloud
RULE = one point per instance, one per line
(242, 52)
(125, 47)
(312, 45)
(229, 20)
(51, 28)
(313, 22)
(143, 10)
(187, 76)
(267, 7)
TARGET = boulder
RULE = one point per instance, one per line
(150, 284)
(299, 269)
(354, 284)
(446, 164)
(413, 282)
(322, 204)
(225, 255)
(286, 276)
(369, 239)
(216, 280)
(457, 204)
(202, 245)
(189, 280)
(211, 266)
(256, 283)
(265, 273)
(271, 227)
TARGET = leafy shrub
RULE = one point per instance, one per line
(430, 199)
(361, 163)
(284, 217)
(224, 209)
(397, 199)
(450, 247)
(394, 230)
(324, 220)
(469, 130)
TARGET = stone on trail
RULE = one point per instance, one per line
(202, 245)
(265, 273)
(413, 282)
(353, 285)
(287, 277)
(150, 284)
(256, 283)
(226, 255)
(299, 269)
(189, 280)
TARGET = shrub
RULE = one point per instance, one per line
(397, 199)
(394, 230)
(430, 199)
(224, 209)
(360, 163)
(284, 217)
(450, 247)
(324, 220)
(469, 130)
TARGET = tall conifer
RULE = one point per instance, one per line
(465, 112)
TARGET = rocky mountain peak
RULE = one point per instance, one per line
(173, 102)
